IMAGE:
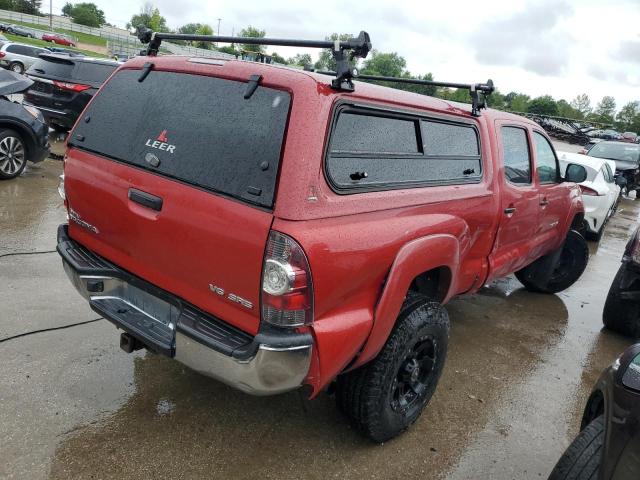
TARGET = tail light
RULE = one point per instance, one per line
(588, 191)
(74, 87)
(2, 54)
(287, 289)
(583, 151)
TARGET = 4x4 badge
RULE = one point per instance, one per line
(161, 143)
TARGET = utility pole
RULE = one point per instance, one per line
(218, 31)
(51, 15)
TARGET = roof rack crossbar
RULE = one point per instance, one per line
(343, 50)
(475, 89)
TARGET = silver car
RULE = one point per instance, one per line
(18, 57)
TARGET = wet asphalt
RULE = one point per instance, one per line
(73, 405)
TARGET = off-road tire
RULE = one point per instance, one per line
(582, 459)
(572, 263)
(11, 170)
(621, 316)
(366, 395)
(16, 67)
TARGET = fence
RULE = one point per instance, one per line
(109, 33)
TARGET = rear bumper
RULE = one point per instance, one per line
(274, 361)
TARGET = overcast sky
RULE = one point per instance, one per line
(559, 47)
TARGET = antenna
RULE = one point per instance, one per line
(343, 50)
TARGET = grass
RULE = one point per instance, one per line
(42, 43)
(79, 36)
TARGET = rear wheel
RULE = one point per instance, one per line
(16, 67)
(572, 261)
(582, 459)
(383, 398)
(13, 154)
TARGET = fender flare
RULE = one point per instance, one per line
(20, 127)
(416, 257)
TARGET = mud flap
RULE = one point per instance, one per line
(540, 271)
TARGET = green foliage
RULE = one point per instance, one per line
(204, 29)
(517, 102)
(582, 103)
(384, 64)
(278, 58)
(567, 111)
(628, 118)
(300, 59)
(253, 33)
(150, 17)
(544, 105)
(67, 9)
(189, 28)
(325, 61)
(86, 14)
(228, 49)
(605, 110)
(32, 7)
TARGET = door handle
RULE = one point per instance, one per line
(509, 210)
(544, 202)
(145, 199)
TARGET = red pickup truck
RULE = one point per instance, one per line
(272, 230)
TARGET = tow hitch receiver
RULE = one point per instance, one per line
(129, 343)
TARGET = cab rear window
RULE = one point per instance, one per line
(196, 129)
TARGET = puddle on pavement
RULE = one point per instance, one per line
(519, 369)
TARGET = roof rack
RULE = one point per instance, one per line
(343, 50)
(478, 91)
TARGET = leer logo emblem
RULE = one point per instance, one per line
(161, 143)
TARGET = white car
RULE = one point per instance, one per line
(599, 191)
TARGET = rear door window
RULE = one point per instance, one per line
(196, 129)
(378, 150)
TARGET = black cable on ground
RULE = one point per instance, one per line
(48, 329)
(14, 254)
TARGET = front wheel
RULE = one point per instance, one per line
(13, 154)
(582, 459)
(383, 398)
(569, 266)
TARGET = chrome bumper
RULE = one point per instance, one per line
(267, 364)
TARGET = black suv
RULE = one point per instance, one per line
(63, 85)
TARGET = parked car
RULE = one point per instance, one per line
(63, 86)
(629, 137)
(58, 39)
(622, 308)
(18, 57)
(610, 135)
(23, 132)
(608, 446)
(600, 191)
(66, 51)
(270, 228)
(626, 156)
(21, 31)
(4, 27)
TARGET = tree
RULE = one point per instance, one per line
(567, 111)
(228, 49)
(189, 28)
(150, 17)
(326, 61)
(301, 59)
(517, 102)
(32, 7)
(87, 14)
(253, 33)
(278, 58)
(204, 29)
(384, 64)
(544, 105)
(67, 9)
(582, 104)
(628, 116)
(605, 110)
(496, 100)
(421, 89)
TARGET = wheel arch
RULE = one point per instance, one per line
(428, 265)
(594, 408)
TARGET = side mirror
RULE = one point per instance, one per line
(621, 181)
(631, 376)
(575, 173)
